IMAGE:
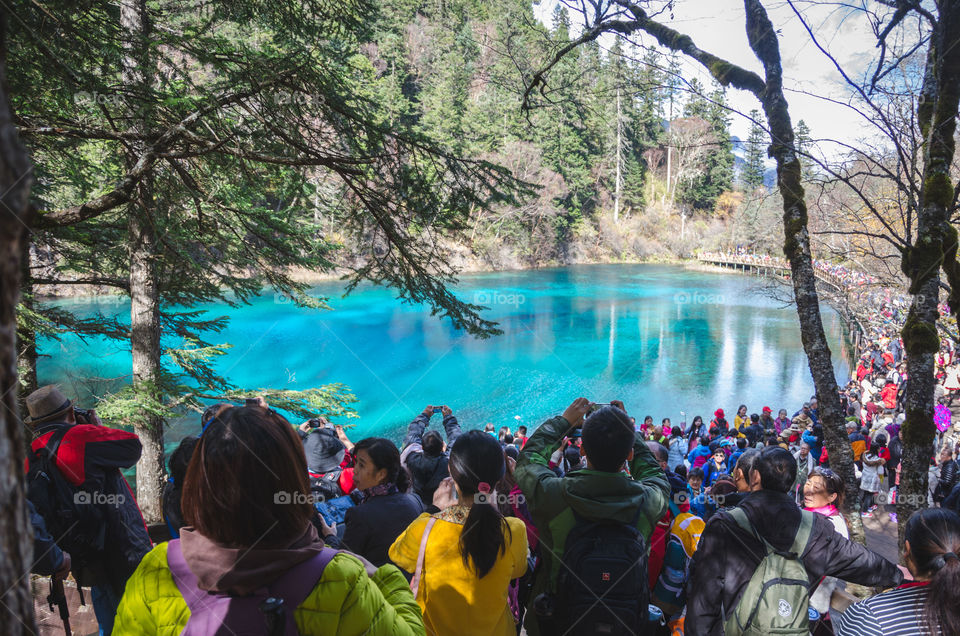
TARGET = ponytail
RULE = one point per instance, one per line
(942, 608)
(484, 537)
(934, 537)
(476, 465)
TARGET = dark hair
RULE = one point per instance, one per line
(647, 417)
(384, 454)
(777, 468)
(874, 448)
(474, 458)
(180, 459)
(213, 410)
(676, 432)
(432, 444)
(934, 533)
(522, 430)
(608, 438)
(833, 483)
(741, 442)
(714, 430)
(755, 418)
(681, 471)
(247, 457)
(695, 473)
(697, 418)
(508, 439)
(503, 431)
(742, 407)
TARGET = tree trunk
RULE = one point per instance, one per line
(144, 290)
(16, 545)
(26, 338)
(796, 247)
(936, 245)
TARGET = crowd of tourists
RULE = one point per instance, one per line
(594, 523)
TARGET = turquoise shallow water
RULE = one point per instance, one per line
(664, 339)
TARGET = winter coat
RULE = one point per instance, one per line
(592, 494)
(949, 476)
(344, 601)
(426, 472)
(451, 596)
(727, 557)
(677, 453)
(872, 475)
(698, 456)
(372, 526)
(712, 472)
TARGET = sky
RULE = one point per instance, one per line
(717, 26)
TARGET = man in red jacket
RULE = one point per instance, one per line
(74, 480)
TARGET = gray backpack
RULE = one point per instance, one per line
(777, 598)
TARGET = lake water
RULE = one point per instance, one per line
(664, 339)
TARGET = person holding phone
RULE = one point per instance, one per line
(424, 454)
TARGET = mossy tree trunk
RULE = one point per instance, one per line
(935, 246)
(16, 537)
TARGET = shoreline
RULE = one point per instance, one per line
(79, 292)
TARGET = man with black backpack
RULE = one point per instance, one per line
(74, 481)
(594, 524)
(757, 564)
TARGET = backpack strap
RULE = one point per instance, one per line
(184, 577)
(53, 443)
(415, 581)
(803, 533)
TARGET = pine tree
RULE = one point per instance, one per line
(752, 175)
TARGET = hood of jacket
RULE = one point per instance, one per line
(243, 570)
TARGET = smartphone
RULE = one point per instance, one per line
(596, 406)
(438, 409)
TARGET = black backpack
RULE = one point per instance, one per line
(72, 516)
(602, 587)
(327, 485)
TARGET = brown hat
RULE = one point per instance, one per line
(45, 404)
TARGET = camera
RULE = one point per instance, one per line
(544, 605)
(82, 416)
(315, 423)
(438, 409)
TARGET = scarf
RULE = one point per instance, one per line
(827, 511)
(387, 488)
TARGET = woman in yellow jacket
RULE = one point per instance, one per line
(245, 500)
(468, 552)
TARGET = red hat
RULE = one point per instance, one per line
(718, 413)
(767, 409)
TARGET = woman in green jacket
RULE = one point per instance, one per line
(246, 503)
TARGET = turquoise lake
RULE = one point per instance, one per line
(666, 340)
